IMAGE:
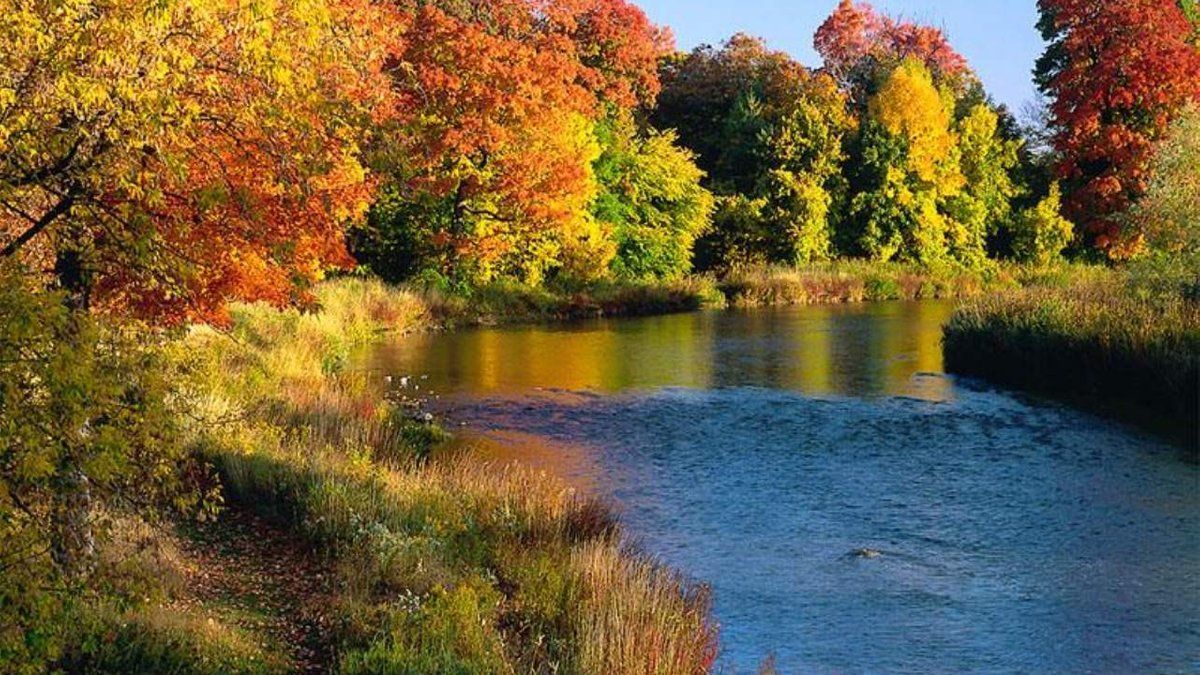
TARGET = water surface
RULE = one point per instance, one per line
(757, 451)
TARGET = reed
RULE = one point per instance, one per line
(1095, 343)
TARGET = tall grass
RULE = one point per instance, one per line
(844, 282)
(1095, 342)
(443, 565)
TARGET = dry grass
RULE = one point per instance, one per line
(446, 565)
(847, 282)
(1095, 342)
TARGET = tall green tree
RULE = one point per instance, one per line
(651, 199)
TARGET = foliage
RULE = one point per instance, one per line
(718, 101)
(1040, 233)
(185, 152)
(1117, 72)
(856, 42)
(910, 164)
(770, 134)
(652, 198)
(85, 418)
(494, 142)
(1169, 214)
(987, 161)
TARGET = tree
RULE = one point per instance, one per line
(1169, 214)
(802, 155)
(164, 158)
(160, 160)
(1117, 72)
(984, 207)
(720, 100)
(652, 199)
(769, 130)
(856, 42)
(909, 167)
(495, 140)
(1040, 233)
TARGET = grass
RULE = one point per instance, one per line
(507, 301)
(1095, 343)
(854, 281)
(442, 565)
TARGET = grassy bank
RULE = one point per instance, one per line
(512, 302)
(1094, 343)
(438, 565)
(851, 281)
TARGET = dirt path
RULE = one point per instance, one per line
(244, 571)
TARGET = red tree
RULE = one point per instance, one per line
(1117, 73)
(855, 36)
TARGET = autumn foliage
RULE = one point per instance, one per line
(1117, 73)
(496, 104)
(856, 38)
(162, 159)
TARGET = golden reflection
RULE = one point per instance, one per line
(866, 350)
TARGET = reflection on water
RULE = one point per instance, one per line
(757, 450)
(872, 351)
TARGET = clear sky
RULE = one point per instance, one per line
(997, 36)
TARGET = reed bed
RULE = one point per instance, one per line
(1095, 343)
(848, 282)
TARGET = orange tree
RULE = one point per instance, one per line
(491, 155)
(156, 161)
(1117, 73)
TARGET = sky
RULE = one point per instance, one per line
(997, 36)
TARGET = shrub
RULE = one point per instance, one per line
(1040, 233)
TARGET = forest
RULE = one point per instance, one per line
(206, 205)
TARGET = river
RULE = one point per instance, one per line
(852, 507)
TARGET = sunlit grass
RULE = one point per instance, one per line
(443, 565)
(1096, 341)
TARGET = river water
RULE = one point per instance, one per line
(762, 452)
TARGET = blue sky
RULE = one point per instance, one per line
(997, 36)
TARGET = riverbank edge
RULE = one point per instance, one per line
(1093, 346)
(309, 424)
(839, 282)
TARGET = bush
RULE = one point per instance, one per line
(1040, 233)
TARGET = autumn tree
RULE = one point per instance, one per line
(857, 42)
(497, 104)
(1117, 72)
(909, 168)
(160, 160)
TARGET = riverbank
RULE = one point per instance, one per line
(431, 565)
(1093, 344)
(838, 282)
(851, 281)
(436, 565)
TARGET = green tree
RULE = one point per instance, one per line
(652, 199)
(1040, 233)
(984, 207)
(802, 153)
(1169, 214)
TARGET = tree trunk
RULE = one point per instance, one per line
(73, 544)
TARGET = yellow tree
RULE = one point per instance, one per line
(910, 166)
